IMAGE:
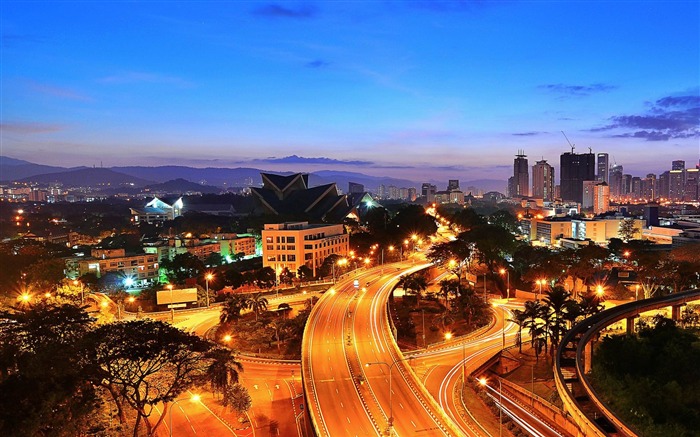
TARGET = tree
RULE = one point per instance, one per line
(237, 398)
(183, 266)
(231, 309)
(472, 306)
(627, 230)
(145, 362)
(304, 272)
(555, 301)
(202, 295)
(265, 277)
(222, 371)
(284, 308)
(233, 277)
(415, 283)
(492, 242)
(43, 389)
(256, 302)
(519, 318)
(214, 259)
(447, 287)
(46, 274)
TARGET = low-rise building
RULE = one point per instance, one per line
(293, 244)
(141, 267)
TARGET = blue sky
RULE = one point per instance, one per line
(441, 89)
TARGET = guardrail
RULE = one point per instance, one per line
(580, 335)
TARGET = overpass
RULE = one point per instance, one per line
(573, 363)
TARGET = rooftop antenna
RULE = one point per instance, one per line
(567, 140)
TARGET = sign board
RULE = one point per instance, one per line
(177, 305)
(181, 295)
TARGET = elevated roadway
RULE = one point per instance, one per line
(573, 362)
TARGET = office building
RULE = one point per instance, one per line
(615, 182)
(293, 244)
(650, 188)
(678, 165)
(575, 168)
(453, 185)
(601, 198)
(543, 181)
(519, 185)
(664, 184)
(690, 192)
(603, 167)
(428, 192)
(676, 183)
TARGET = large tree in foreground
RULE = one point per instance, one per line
(143, 363)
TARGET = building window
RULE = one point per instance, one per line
(290, 240)
(308, 246)
(271, 258)
(291, 258)
(268, 239)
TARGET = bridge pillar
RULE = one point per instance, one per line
(676, 313)
(629, 325)
(588, 357)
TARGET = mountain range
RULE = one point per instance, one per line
(207, 179)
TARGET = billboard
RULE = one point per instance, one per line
(182, 295)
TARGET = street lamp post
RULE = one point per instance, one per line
(82, 290)
(172, 308)
(391, 398)
(194, 398)
(208, 278)
(636, 292)
(484, 382)
(506, 272)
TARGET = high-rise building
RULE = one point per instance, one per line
(626, 185)
(543, 181)
(428, 192)
(678, 165)
(690, 193)
(575, 168)
(664, 184)
(520, 185)
(453, 185)
(601, 198)
(615, 181)
(603, 167)
(636, 189)
(676, 183)
(588, 194)
(650, 188)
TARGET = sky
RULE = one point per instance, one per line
(415, 89)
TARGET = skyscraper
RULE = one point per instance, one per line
(575, 168)
(664, 183)
(519, 186)
(453, 185)
(678, 165)
(603, 167)
(543, 180)
(616, 181)
(676, 183)
(601, 198)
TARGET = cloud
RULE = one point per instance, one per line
(55, 91)
(578, 90)
(669, 117)
(274, 10)
(318, 63)
(450, 5)
(528, 134)
(30, 128)
(294, 159)
(142, 77)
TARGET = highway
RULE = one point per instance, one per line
(348, 356)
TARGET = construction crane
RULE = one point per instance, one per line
(567, 140)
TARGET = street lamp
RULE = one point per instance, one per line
(194, 398)
(483, 382)
(172, 307)
(540, 282)
(636, 292)
(506, 272)
(82, 291)
(391, 399)
(208, 277)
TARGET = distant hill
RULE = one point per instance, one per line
(89, 177)
(182, 186)
(12, 169)
(16, 169)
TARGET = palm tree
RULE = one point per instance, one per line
(532, 314)
(555, 301)
(223, 369)
(519, 318)
(231, 309)
(256, 302)
(447, 287)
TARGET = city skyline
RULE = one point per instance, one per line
(426, 91)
